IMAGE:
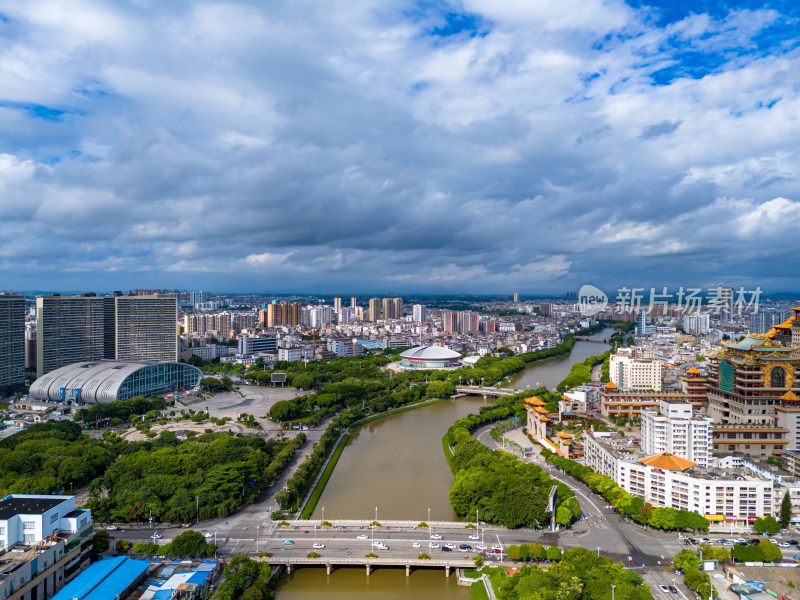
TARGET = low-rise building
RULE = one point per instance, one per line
(666, 480)
(755, 440)
(44, 543)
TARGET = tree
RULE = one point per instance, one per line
(786, 510)
(772, 553)
(766, 525)
(188, 543)
(553, 553)
(563, 515)
(513, 552)
(100, 542)
(123, 546)
(537, 551)
(686, 561)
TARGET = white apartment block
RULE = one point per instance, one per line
(635, 374)
(673, 429)
(664, 480)
(44, 543)
(295, 354)
(699, 323)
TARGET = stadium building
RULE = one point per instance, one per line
(429, 357)
(108, 381)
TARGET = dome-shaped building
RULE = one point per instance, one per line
(430, 357)
(110, 380)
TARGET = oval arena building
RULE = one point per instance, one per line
(109, 380)
(429, 357)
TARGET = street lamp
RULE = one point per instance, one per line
(612, 591)
(429, 517)
(598, 551)
(323, 515)
(376, 514)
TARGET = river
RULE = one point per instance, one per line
(397, 465)
(551, 372)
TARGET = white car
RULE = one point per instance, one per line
(436, 536)
(111, 528)
(208, 535)
(319, 546)
(474, 536)
(785, 545)
(433, 545)
(451, 546)
(497, 548)
(416, 545)
(155, 536)
(664, 589)
(740, 541)
(480, 548)
(362, 537)
(773, 540)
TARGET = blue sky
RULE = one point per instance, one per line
(475, 146)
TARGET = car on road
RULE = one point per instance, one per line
(208, 535)
(740, 540)
(497, 547)
(451, 546)
(465, 548)
(663, 588)
(446, 549)
(784, 545)
(480, 547)
(474, 536)
(380, 546)
(753, 542)
(433, 545)
(319, 546)
(773, 540)
(362, 537)
(155, 536)
(727, 542)
(436, 536)
(673, 589)
(793, 542)
(416, 545)
(287, 542)
(704, 540)
(111, 528)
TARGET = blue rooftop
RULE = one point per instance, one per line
(104, 579)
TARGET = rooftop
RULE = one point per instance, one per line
(669, 462)
(11, 506)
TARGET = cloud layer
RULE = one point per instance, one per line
(479, 146)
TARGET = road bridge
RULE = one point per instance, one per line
(485, 391)
(587, 338)
(329, 562)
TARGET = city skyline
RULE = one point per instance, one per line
(477, 147)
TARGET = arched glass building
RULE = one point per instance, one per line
(429, 357)
(108, 380)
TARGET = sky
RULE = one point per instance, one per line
(480, 146)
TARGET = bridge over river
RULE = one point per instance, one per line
(329, 562)
(485, 391)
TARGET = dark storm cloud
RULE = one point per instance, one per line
(378, 146)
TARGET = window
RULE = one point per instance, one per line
(28, 525)
(54, 518)
(2, 530)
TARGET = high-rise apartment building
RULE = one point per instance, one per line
(374, 309)
(141, 327)
(641, 322)
(353, 301)
(419, 313)
(697, 323)
(337, 304)
(72, 329)
(398, 308)
(69, 329)
(516, 297)
(675, 430)
(12, 343)
(284, 313)
(197, 297)
(387, 308)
